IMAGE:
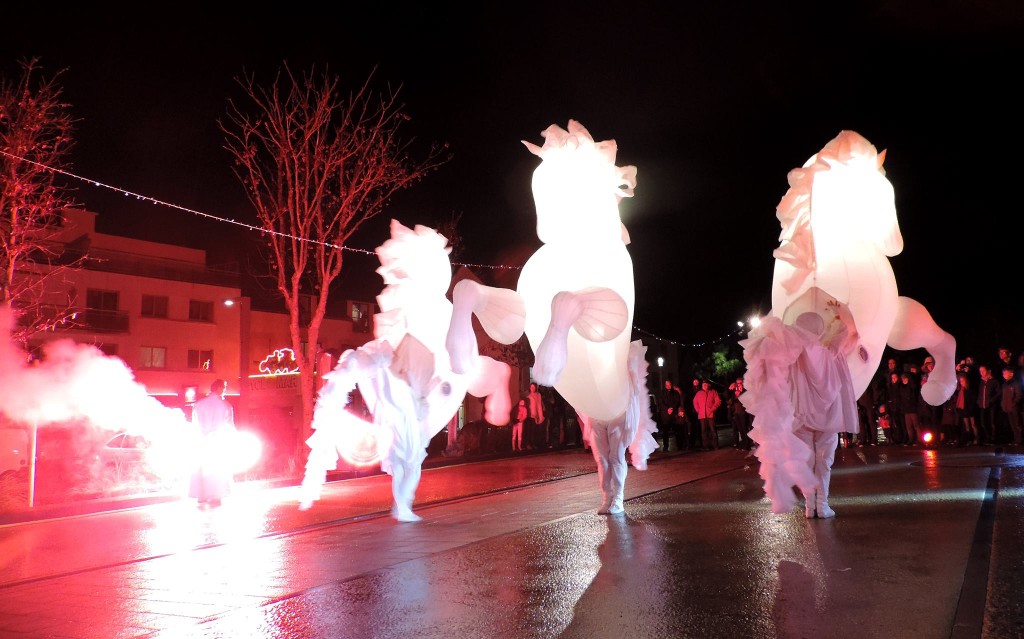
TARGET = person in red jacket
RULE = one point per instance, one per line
(706, 401)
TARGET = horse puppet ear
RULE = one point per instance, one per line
(881, 159)
(536, 150)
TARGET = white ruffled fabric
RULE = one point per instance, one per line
(639, 424)
(793, 381)
(391, 400)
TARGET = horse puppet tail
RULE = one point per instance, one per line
(639, 423)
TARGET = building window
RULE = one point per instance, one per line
(110, 350)
(154, 306)
(360, 314)
(200, 311)
(202, 360)
(153, 357)
(101, 300)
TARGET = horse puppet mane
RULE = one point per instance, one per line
(794, 211)
(417, 273)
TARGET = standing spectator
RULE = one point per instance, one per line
(928, 365)
(950, 421)
(1010, 405)
(967, 365)
(537, 430)
(892, 366)
(556, 418)
(706, 402)
(214, 418)
(668, 408)
(866, 405)
(927, 415)
(519, 418)
(967, 409)
(738, 416)
(683, 424)
(893, 407)
(988, 401)
(688, 406)
(908, 407)
(1006, 359)
(885, 423)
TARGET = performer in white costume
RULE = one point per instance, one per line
(801, 394)
(834, 296)
(578, 292)
(405, 375)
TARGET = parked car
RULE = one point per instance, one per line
(126, 455)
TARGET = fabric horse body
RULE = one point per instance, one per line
(578, 294)
(839, 231)
(405, 375)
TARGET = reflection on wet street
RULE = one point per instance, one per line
(514, 548)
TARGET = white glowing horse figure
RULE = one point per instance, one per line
(578, 295)
(405, 375)
(839, 228)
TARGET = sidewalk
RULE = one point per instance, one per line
(87, 506)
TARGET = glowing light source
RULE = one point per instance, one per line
(362, 443)
(246, 451)
(280, 362)
(661, 361)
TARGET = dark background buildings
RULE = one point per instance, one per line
(713, 102)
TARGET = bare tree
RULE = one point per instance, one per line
(35, 139)
(317, 164)
(449, 229)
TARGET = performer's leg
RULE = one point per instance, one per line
(599, 447)
(610, 454)
(807, 437)
(824, 454)
(404, 480)
(617, 467)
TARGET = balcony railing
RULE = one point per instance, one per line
(94, 320)
(116, 262)
(102, 321)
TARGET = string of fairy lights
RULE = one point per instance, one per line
(259, 229)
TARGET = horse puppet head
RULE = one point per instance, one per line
(577, 188)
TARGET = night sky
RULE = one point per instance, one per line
(713, 103)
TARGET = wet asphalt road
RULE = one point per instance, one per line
(926, 544)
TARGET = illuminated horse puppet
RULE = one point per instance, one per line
(578, 296)
(404, 375)
(839, 228)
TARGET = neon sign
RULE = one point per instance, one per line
(280, 362)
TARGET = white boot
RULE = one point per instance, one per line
(403, 513)
(821, 504)
(809, 506)
(824, 511)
